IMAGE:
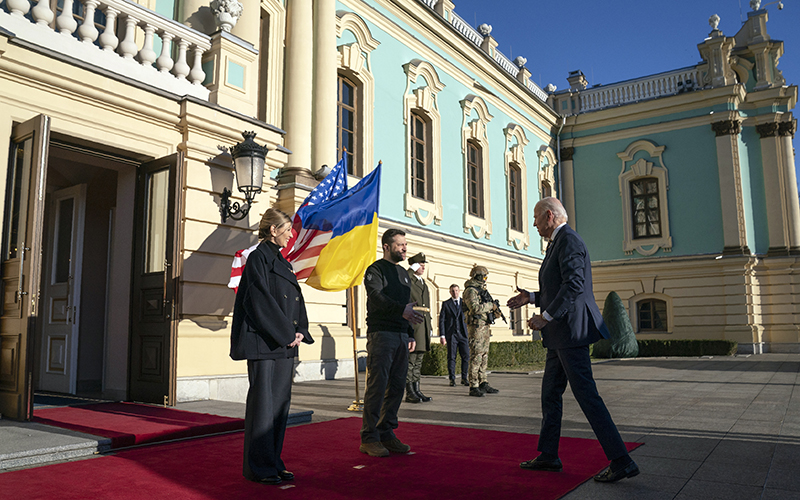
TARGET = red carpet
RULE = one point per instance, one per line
(130, 423)
(449, 462)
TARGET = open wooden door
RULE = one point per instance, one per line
(155, 269)
(20, 264)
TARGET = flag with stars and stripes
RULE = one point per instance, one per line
(304, 247)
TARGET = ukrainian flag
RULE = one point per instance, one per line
(352, 221)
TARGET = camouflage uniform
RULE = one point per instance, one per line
(478, 317)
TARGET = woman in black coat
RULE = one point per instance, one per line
(269, 321)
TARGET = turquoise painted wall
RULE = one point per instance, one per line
(693, 197)
(389, 140)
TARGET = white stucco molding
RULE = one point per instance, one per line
(639, 169)
(516, 141)
(356, 65)
(474, 129)
(423, 100)
(547, 176)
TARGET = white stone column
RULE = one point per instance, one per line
(780, 181)
(325, 81)
(786, 132)
(197, 15)
(298, 82)
(568, 185)
(730, 187)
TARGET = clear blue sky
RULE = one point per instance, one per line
(617, 40)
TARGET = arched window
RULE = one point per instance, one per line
(515, 197)
(421, 169)
(652, 315)
(347, 122)
(474, 179)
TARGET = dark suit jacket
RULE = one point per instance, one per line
(451, 320)
(269, 308)
(421, 295)
(565, 292)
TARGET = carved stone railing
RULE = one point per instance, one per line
(640, 89)
(177, 70)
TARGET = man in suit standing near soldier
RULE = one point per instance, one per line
(570, 322)
(422, 331)
(453, 334)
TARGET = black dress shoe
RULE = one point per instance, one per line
(464, 382)
(286, 475)
(545, 465)
(270, 480)
(452, 383)
(609, 476)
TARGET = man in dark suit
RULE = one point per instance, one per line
(453, 333)
(569, 321)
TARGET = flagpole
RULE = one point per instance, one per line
(358, 403)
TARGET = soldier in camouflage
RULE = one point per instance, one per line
(479, 314)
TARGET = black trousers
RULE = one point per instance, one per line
(457, 346)
(575, 366)
(387, 365)
(266, 416)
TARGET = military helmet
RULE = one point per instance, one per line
(478, 271)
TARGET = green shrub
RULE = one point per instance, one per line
(501, 355)
(661, 348)
(622, 343)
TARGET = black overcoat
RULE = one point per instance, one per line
(269, 308)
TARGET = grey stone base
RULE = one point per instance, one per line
(771, 347)
(752, 348)
(234, 387)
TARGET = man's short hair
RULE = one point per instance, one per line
(388, 236)
(554, 206)
(454, 285)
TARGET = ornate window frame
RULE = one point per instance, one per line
(355, 64)
(638, 169)
(547, 176)
(633, 307)
(422, 99)
(515, 153)
(474, 130)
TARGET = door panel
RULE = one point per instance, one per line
(62, 291)
(156, 249)
(20, 263)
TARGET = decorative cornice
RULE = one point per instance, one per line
(566, 154)
(767, 129)
(726, 127)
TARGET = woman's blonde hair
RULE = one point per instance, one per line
(272, 217)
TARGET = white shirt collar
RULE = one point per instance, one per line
(555, 231)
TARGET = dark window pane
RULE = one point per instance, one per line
(64, 241)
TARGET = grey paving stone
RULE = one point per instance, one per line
(708, 490)
(749, 474)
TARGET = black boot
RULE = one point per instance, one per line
(474, 391)
(421, 396)
(452, 382)
(411, 394)
(487, 389)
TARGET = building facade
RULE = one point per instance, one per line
(115, 258)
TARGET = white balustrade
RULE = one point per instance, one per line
(136, 20)
(42, 13)
(476, 38)
(650, 87)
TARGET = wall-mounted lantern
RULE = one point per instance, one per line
(248, 164)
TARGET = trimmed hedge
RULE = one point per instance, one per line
(501, 355)
(661, 348)
(508, 354)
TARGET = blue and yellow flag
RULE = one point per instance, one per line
(344, 234)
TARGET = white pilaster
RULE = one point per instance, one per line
(325, 62)
(298, 83)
